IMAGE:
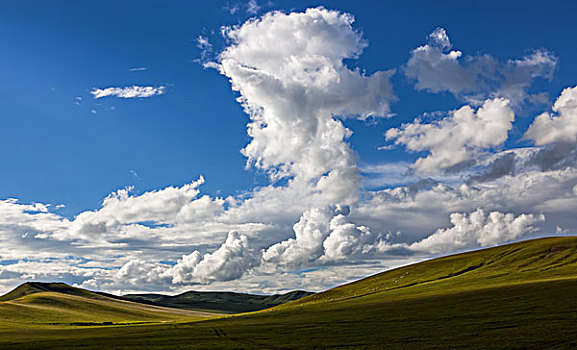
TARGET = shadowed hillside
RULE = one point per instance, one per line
(228, 302)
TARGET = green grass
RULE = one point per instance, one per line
(535, 260)
(518, 296)
(38, 305)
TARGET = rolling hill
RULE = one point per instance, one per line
(39, 287)
(517, 296)
(509, 265)
(36, 303)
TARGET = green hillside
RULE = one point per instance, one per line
(517, 296)
(227, 302)
(34, 303)
(518, 263)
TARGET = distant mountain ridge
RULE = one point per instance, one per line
(218, 301)
(227, 302)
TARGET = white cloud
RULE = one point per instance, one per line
(437, 68)
(137, 69)
(289, 71)
(20, 223)
(347, 240)
(201, 209)
(478, 230)
(307, 246)
(229, 262)
(138, 272)
(457, 138)
(293, 83)
(321, 236)
(413, 211)
(439, 38)
(559, 126)
(121, 209)
(128, 91)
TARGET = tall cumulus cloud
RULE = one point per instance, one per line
(290, 73)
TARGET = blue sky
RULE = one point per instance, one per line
(64, 150)
(59, 152)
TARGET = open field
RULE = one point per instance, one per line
(518, 296)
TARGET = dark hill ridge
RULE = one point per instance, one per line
(218, 301)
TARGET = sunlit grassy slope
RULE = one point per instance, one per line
(517, 296)
(540, 259)
(34, 304)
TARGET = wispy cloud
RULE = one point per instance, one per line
(137, 69)
(232, 9)
(252, 7)
(206, 51)
(128, 91)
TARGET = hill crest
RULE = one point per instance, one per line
(29, 288)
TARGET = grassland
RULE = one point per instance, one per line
(518, 296)
(35, 305)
